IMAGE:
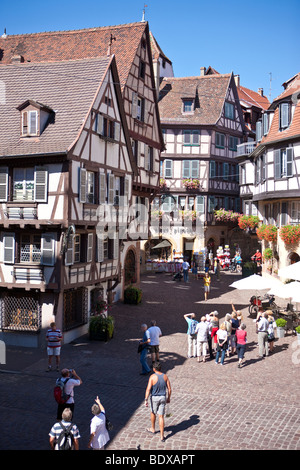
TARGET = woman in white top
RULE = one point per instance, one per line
(98, 433)
(221, 343)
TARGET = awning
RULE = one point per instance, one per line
(164, 244)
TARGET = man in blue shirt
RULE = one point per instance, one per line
(192, 335)
(144, 345)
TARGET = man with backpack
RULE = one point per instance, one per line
(192, 335)
(64, 435)
(65, 397)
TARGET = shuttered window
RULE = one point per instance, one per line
(30, 184)
(48, 249)
(283, 163)
(190, 169)
(9, 248)
(89, 256)
(41, 185)
(168, 168)
(3, 184)
(284, 115)
(220, 140)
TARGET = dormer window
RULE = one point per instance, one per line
(29, 123)
(35, 117)
(188, 106)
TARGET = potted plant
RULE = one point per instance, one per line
(101, 327)
(248, 222)
(290, 234)
(132, 295)
(268, 254)
(297, 329)
(267, 232)
(223, 215)
(281, 324)
(249, 268)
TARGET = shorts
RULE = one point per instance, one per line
(53, 351)
(154, 349)
(158, 404)
(206, 288)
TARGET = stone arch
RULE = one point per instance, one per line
(131, 274)
(293, 257)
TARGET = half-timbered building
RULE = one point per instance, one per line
(66, 172)
(270, 172)
(131, 46)
(202, 125)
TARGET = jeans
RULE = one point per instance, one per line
(240, 349)
(185, 275)
(143, 361)
(222, 356)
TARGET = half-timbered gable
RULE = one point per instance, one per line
(202, 125)
(56, 247)
(274, 164)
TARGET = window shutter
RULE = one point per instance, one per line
(25, 123)
(258, 130)
(168, 168)
(48, 248)
(225, 170)
(277, 164)
(3, 184)
(284, 115)
(211, 204)
(195, 168)
(263, 167)
(89, 256)
(289, 161)
(102, 188)
(186, 137)
(82, 185)
(40, 184)
(200, 204)
(138, 153)
(196, 137)
(146, 156)
(33, 122)
(100, 248)
(266, 123)
(100, 123)
(9, 248)
(69, 258)
(212, 169)
(111, 188)
(186, 169)
(126, 190)
(117, 131)
(134, 105)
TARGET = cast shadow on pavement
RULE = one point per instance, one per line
(182, 426)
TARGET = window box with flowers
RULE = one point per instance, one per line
(189, 215)
(267, 232)
(190, 183)
(248, 222)
(222, 215)
(290, 234)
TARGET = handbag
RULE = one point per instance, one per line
(108, 424)
(140, 348)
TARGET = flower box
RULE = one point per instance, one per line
(247, 222)
(290, 234)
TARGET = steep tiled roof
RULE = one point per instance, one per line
(68, 88)
(78, 44)
(275, 134)
(252, 98)
(209, 92)
(156, 49)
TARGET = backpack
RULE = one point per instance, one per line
(59, 391)
(193, 326)
(65, 440)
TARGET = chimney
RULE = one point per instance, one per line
(237, 80)
(260, 91)
(4, 35)
(202, 71)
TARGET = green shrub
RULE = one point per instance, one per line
(297, 329)
(132, 295)
(100, 325)
(281, 322)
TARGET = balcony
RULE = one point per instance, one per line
(245, 149)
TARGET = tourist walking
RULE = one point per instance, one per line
(143, 347)
(202, 330)
(185, 269)
(271, 332)
(192, 334)
(71, 380)
(54, 337)
(206, 281)
(209, 339)
(228, 326)
(235, 325)
(155, 333)
(214, 328)
(159, 390)
(221, 343)
(99, 436)
(262, 332)
(64, 435)
(241, 339)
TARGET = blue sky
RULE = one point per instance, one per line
(258, 40)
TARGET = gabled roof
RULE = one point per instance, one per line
(156, 49)
(292, 86)
(209, 92)
(252, 98)
(78, 44)
(69, 88)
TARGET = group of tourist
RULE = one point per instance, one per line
(229, 337)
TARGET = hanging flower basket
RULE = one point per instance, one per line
(247, 222)
(268, 254)
(191, 183)
(290, 234)
(222, 215)
(267, 232)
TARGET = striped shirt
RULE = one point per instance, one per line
(57, 429)
(54, 338)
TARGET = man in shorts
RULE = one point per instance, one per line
(154, 332)
(157, 387)
(54, 337)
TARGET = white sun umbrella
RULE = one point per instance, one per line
(287, 291)
(291, 272)
(255, 282)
